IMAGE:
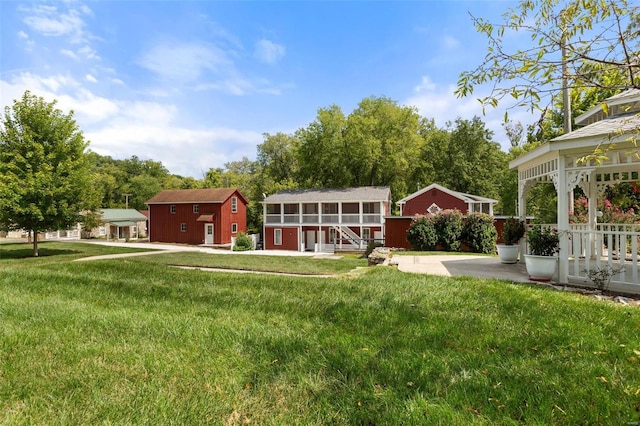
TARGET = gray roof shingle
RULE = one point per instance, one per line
(364, 193)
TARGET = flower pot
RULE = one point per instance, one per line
(541, 268)
(508, 253)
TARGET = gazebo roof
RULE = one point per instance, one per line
(622, 103)
(624, 119)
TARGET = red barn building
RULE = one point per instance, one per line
(325, 219)
(431, 200)
(197, 216)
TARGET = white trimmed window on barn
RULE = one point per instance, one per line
(234, 228)
(277, 237)
(234, 204)
(196, 208)
(183, 227)
(172, 208)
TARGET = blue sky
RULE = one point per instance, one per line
(196, 84)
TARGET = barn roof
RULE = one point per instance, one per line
(185, 196)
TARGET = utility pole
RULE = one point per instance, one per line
(566, 101)
(126, 200)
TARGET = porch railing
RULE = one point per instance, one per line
(315, 218)
(611, 247)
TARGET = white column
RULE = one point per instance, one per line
(339, 212)
(522, 213)
(264, 224)
(593, 212)
(299, 212)
(563, 221)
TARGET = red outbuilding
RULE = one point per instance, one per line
(431, 200)
(197, 216)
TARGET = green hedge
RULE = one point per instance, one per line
(448, 229)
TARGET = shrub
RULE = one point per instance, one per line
(513, 230)
(543, 241)
(480, 233)
(243, 242)
(422, 233)
(448, 226)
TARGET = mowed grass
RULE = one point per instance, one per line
(265, 263)
(54, 252)
(134, 341)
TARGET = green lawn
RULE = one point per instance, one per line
(286, 264)
(134, 341)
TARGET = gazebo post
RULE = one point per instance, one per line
(522, 214)
(593, 213)
(563, 220)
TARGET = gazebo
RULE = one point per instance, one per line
(568, 162)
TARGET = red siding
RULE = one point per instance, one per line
(422, 202)
(165, 226)
(396, 232)
(290, 239)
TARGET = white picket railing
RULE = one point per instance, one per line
(612, 247)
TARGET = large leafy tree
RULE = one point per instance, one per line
(572, 42)
(321, 154)
(465, 158)
(381, 141)
(45, 174)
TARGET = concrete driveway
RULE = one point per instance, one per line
(462, 265)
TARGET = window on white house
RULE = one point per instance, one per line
(196, 208)
(273, 208)
(366, 234)
(277, 237)
(370, 208)
(183, 227)
(172, 208)
(234, 228)
(234, 204)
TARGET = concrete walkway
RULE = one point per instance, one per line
(462, 265)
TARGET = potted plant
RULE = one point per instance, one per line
(512, 231)
(543, 246)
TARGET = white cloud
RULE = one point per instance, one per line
(88, 52)
(48, 21)
(151, 130)
(68, 53)
(23, 35)
(269, 52)
(450, 42)
(184, 151)
(440, 103)
(184, 62)
(90, 78)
